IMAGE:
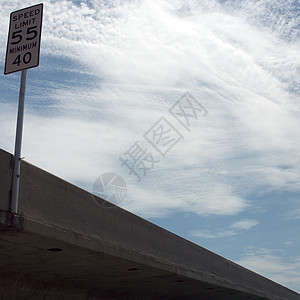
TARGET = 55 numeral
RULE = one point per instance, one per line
(17, 35)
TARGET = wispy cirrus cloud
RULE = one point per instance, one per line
(271, 264)
(142, 57)
(234, 229)
(244, 224)
(207, 234)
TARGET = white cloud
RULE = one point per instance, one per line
(144, 55)
(274, 267)
(280, 17)
(244, 224)
(206, 234)
(235, 229)
(167, 197)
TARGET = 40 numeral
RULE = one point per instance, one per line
(26, 59)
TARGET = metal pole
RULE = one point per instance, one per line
(18, 144)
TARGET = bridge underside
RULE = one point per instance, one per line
(35, 266)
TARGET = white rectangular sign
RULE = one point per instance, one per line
(24, 37)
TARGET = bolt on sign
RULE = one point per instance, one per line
(24, 37)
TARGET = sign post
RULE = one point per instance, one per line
(22, 53)
(18, 145)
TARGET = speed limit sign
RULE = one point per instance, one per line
(24, 37)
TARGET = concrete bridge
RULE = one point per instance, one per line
(63, 245)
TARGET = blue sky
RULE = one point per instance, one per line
(111, 70)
